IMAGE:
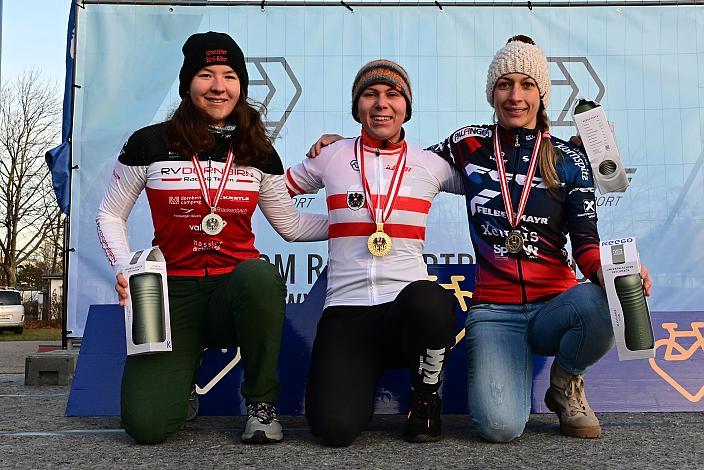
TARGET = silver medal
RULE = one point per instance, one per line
(212, 224)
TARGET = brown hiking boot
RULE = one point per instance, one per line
(566, 398)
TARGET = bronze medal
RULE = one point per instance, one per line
(514, 241)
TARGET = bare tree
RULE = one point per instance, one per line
(46, 260)
(30, 114)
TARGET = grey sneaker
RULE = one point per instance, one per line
(566, 398)
(262, 426)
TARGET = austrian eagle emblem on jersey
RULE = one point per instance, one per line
(355, 200)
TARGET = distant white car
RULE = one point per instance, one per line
(11, 310)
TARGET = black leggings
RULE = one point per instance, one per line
(354, 344)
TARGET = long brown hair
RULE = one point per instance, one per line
(187, 131)
(548, 154)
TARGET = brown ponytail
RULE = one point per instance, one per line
(548, 154)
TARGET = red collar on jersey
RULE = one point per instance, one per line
(370, 141)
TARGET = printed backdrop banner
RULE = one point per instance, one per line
(642, 63)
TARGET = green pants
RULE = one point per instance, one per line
(244, 308)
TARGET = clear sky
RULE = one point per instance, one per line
(34, 37)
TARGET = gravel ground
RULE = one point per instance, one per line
(35, 434)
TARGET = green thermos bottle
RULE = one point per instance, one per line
(636, 319)
(147, 308)
(584, 106)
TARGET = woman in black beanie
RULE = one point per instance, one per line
(220, 293)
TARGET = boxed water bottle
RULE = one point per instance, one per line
(630, 317)
(147, 319)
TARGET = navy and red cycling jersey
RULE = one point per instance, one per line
(542, 269)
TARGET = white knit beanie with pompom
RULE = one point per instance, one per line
(520, 57)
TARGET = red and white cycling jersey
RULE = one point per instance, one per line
(177, 206)
(355, 277)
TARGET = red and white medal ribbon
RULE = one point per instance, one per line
(394, 185)
(212, 223)
(205, 191)
(379, 243)
(515, 218)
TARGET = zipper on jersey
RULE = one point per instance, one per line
(210, 173)
(516, 169)
(210, 179)
(516, 166)
(524, 295)
(373, 275)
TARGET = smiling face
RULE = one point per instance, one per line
(516, 101)
(382, 110)
(215, 91)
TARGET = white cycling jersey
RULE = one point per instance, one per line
(355, 277)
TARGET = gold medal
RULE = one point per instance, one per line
(379, 243)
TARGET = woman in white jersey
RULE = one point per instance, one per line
(380, 309)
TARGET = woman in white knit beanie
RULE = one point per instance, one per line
(543, 190)
(527, 299)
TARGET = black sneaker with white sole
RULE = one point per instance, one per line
(423, 420)
(262, 426)
(192, 405)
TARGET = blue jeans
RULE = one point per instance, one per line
(574, 326)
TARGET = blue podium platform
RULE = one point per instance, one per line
(673, 381)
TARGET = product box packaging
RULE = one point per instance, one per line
(147, 319)
(630, 317)
(599, 142)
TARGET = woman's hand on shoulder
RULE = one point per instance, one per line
(577, 142)
(323, 141)
(121, 289)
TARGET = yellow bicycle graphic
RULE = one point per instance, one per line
(460, 294)
(674, 351)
